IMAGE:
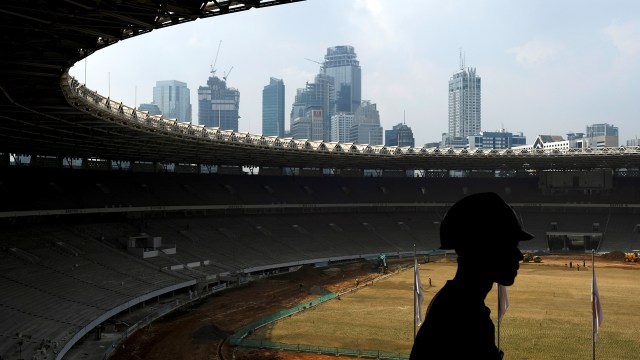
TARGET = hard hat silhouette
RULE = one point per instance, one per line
(480, 220)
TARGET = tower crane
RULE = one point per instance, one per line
(317, 62)
(227, 74)
(213, 66)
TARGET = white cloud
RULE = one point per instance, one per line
(625, 37)
(536, 51)
(370, 21)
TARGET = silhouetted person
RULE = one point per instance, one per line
(485, 232)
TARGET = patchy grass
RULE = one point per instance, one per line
(549, 316)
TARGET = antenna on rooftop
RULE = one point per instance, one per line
(461, 59)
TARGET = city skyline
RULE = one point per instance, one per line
(547, 67)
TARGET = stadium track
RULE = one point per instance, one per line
(143, 342)
(176, 339)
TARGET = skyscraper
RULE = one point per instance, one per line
(218, 105)
(464, 104)
(173, 99)
(273, 108)
(310, 106)
(341, 63)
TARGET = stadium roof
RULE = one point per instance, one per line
(43, 111)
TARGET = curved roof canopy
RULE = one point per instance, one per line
(44, 111)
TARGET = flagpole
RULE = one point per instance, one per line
(414, 291)
(593, 318)
(499, 315)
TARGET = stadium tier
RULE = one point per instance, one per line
(94, 226)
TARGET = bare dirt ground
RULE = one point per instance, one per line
(200, 332)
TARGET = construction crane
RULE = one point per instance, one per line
(227, 74)
(213, 66)
(317, 62)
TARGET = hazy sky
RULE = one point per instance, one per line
(547, 66)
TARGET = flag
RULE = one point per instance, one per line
(596, 307)
(503, 301)
(418, 294)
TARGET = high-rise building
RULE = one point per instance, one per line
(340, 126)
(366, 127)
(273, 108)
(464, 104)
(341, 63)
(309, 125)
(218, 105)
(173, 99)
(399, 135)
(315, 96)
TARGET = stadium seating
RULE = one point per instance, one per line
(67, 270)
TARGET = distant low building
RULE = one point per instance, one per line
(547, 142)
(399, 135)
(597, 136)
(633, 142)
(496, 140)
(151, 108)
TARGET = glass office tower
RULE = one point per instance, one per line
(341, 63)
(173, 99)
(273, 108)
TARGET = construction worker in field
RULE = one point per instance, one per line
(485, 232)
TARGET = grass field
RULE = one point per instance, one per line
(549, 315)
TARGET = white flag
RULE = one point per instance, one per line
(596, 307)
(418, 294)
(503, 301)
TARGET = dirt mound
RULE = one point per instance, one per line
(614, 255)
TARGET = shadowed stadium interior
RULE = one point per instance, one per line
(104, 207)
